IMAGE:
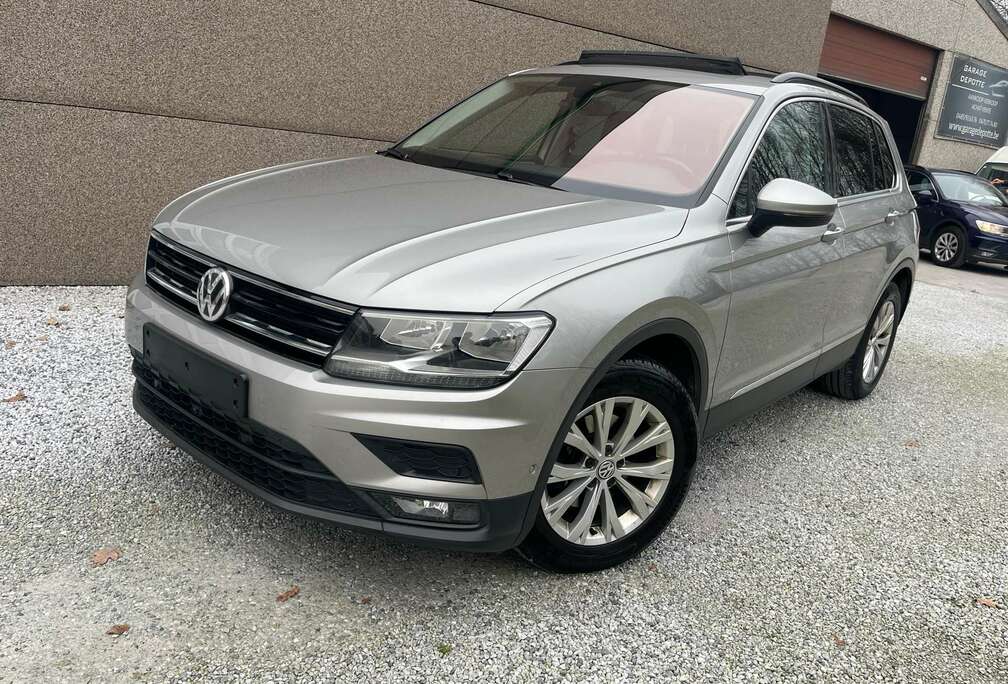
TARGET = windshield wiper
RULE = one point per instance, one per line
(395, 153)
(505, 174)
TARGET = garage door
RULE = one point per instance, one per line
(858, 53)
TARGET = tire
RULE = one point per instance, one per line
(944, 237)
(850, 381)
(578, 537)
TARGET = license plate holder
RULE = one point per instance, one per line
(205, 379)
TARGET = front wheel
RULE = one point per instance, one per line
(621, 474)
(948, 248)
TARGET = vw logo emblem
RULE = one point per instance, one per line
(606, 469)
(213, 293)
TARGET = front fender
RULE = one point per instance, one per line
(597, 313)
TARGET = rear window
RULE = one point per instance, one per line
(863, 160)
(885, 168)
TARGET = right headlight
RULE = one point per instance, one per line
(992, 228)
(434, 350)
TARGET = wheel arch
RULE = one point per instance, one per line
(904, 279)
(945, 224)
(669, 334)
(676, 346)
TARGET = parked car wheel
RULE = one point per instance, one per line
(621, 474)
(948, 248)
(858, 377)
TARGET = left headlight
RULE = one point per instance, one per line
(430, 350)
(992, 228)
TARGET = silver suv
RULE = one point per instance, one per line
(512, 329)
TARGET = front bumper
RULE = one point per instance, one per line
(984, 247)
(508, 430)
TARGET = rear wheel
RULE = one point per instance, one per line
(948, 248)
(621, 473)
(858, 377)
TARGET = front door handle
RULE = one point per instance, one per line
(832, 233)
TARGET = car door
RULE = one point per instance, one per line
(877, 216)
(781, 281)
(928, 209)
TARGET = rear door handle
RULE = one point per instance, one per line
(892, 216)
(832, 233)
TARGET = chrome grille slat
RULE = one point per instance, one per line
(165, 283)
(299, 326)
(165, 265)
(280, 335)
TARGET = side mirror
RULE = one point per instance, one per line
(786, 202)
(924, 197)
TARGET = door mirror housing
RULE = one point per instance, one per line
(924, 197)
(786, 202)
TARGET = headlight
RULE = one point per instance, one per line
(992, 228)
(462, 352)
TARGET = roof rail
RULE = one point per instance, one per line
(798, 77)
(673, 59)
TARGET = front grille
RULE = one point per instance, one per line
(267, 459)
(297, 325)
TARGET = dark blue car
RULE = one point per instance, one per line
(963, 218)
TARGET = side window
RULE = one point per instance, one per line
(858, 164)
(918, 182)
(885, 171)
(793, 146)
(996, 174)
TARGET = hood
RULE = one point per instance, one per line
(984, 212)
(375, 231)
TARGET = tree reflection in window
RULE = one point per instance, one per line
(793, 146)
(856, 153)
(885, 170)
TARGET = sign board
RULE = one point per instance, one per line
(975, 109)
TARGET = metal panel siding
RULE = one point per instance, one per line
(865, 55)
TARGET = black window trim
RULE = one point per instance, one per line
(831, 154)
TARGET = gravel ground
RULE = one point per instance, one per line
(822, 540)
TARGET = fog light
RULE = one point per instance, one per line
(433, 510)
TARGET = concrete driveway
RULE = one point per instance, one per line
(987, 279)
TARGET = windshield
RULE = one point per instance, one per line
(965, 188)
(615, 137)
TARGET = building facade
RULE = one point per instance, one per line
(109, 110)
(902, 57)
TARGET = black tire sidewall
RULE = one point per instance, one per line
(960, 257)
(650, 382)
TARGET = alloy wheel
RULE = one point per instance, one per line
(946, 247)
(614, 470)
(878, 341)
